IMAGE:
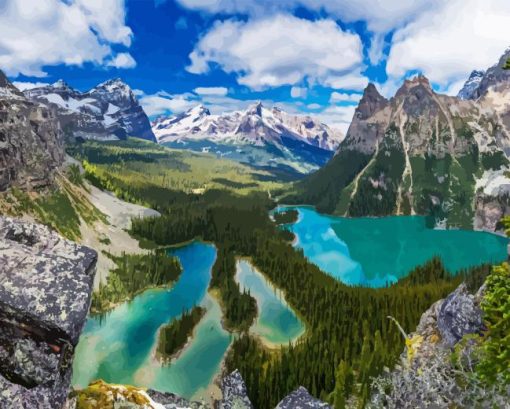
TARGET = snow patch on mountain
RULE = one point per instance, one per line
(107, 111)
(471, 85)
(256, 125)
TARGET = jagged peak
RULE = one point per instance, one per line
(3, 79)
(255, 109)
(113, 84)
(61, 84)
(476, 74)
(409, 84)
(200, 109)
(371, 91)
(371, 101)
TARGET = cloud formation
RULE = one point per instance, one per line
(51, 32)
(277, 50)
(447, 42)
(122, 60)
(344, 97)
(220, 91)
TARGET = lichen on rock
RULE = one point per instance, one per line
(45, 288)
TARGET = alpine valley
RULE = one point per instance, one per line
(255, 258)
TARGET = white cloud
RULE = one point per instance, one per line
(314, 106)
(138, 92)
(352, 81)
(51, 32)
(381, 16)
(446, 42)
(278, 50)
(164, 103)
(22, 85)
(339, 117)
(344, 97)
(298, 92)
(221, 91)
(122, 60)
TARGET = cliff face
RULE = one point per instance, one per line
(31, 142)
(45, 288)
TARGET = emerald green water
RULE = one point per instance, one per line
(276, 322)
(376, 251)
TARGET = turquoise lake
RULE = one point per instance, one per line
(276, 322)
(119, 348)
(376, 251)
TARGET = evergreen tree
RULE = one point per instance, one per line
(343, 385)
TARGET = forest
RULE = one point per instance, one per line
(134, 273)
(174, 335)
(349, 338)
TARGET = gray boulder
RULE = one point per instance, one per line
(45, 290)
(235, 394)
(301, 399)
(459, 315)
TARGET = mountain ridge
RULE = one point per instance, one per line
(270, 135)
(419, 152)
(108, 111)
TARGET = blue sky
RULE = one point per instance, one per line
(307, 56)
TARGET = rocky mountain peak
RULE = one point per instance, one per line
(3, 80)
(200, 110)
(411, 85)
(7, 89)
(471, 84)
(496, 77)
(371, 102)
(255, 109)
(61, 84)
(108, 111)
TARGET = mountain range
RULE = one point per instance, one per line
(257, 135)
(108, 111)
(421, 152)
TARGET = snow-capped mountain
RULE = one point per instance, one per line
(108, 111)
(471, 85)
(257, 135)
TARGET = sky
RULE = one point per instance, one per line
(306, 56)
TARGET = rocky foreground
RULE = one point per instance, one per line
(45, 290)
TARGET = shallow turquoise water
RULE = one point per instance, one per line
(276, 322)
(119, 349)
(375, 251)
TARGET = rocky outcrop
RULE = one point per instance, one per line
(31, 142)
(460, 314)
(301, 399)
(235, 395)
(426, 375)
(45, 290)
(109, 111)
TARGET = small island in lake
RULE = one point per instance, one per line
(173, 336)
(286, 216)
